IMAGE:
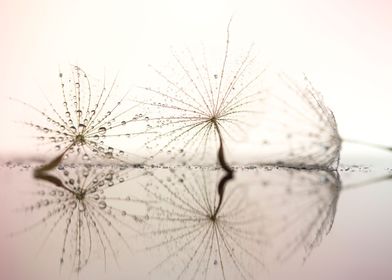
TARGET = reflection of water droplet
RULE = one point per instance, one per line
(82, 207)
(123, 122)
(102, 205)
(72, 204)
(102, 130)
(109, 177)
(123, 213)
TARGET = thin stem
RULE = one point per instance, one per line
(229, 171)
(40, 173)
(367, 182)
(378, 146)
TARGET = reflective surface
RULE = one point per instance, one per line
(126, 222)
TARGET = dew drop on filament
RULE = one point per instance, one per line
(102, 130)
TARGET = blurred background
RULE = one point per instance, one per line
(344, 47)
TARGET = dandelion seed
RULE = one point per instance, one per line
(88, 120)
(298, 130)
(80, 215)
(203, 110)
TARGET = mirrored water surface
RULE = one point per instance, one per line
(113, 221)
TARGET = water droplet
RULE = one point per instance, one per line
(123, 213)
(82, 207)
(102, 205)
(73, 129)
(102, 130)
(67, 114)
(123, 122)
(215, 262)
(72, 204)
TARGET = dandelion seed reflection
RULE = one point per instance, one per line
(91, 216)
(195, 242)
(266, 216)
(300, 205)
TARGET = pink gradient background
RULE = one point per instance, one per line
(345, 47)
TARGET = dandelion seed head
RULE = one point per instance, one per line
(297, 130)
(92, 115)
(200, 101)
